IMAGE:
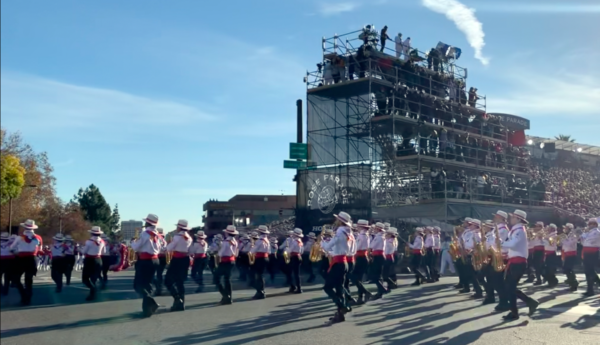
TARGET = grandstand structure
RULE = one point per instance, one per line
(383, 128)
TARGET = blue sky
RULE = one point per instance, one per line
(166, 104)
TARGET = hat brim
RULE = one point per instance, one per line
(298, 235)
(153, 222)
(349, 223)
(521, 218)
(231, 232)
(263, 231)
(186, 228)
(94, 232)
(499, 215)
(29, 227)
(201, 235)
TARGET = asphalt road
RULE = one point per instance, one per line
(430, 314)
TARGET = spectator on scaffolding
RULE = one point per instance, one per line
(406, 49)
(480, 185)
(473, 97)
(328, 73)
(398, 41)
(383, 37)
(433, 60)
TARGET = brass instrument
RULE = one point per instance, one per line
(407, 249)
(286, 257)
(316, 251)
(168, 257)
(560, 238)
(454, 249)
(131, 254)
(479, 253)
(496, 253)
(216, 257)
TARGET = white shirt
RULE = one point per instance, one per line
(274, 248)
(517, 242)
(21, 246)
(351, 246)
(389, 246)
(69, 248)
(214, 246)
(245, 246)
(362, 241)
(229, 247)
(58, 249)
(470, 238)
(428, 241)
(503, 232)
(5, 249)
(339, 244)
(537, 241)
(417, 243)
(591, 238)
(308, 245)
(93, 247)
(296, 246)
(437, 242)
(378, 242)
(148, 243)
(199, 247)
(163, 244)
(547, 246)
(181, 243)
(490, 240)
(569, 244)
(261, 245)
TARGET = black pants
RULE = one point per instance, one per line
(428, 263)
(494, 282)
(460, 270)
(176, 276)
(324, 267)
(388, 266)
(382, 45)
(590, 260)
(351, 265)
(144, 276)
(530, 261)
(569, 263)
(70, 264)
(211, 263)
(415, 265)
(224, 271)
(360, 268)
(307, 266)
(7, 269)
(243, 265)
(433, 267)
(334, 284)
(58, 269)
(538, 264)
(376, 273)
(511, 280)
(198, 270)
(471, 276)
(25, 266)
(550, 265)
(272, 267)
(92, 267)
(160, 269)
(106, 262)
(258, 269)
(294, 272)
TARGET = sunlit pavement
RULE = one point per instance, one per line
(430, 314)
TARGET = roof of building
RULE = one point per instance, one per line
(568, 146)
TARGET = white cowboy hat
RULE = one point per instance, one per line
(437, 229)
(273, 240)
(468, 220)
(419, 230)
(392, 231)
(29, 224)
(231, 230)
(182, 224)
(254, 235)
(541, 224)
(553, 226)
(569, 225)
(68, 238)
(344, 218)
(490, 224)
(298, 233)
(4, 236)
(95, 230)
(219, 236)
(593, 220)
(476, 222)
(152, 219)
(386, 225)
(160, 230)
(501, 214)
(362, 223)
(59, 237)
(104, 236)
(522, 215)
(200, 234)
(244, 237)
(311, 235)
(263, 229)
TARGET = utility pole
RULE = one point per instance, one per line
(10, 209)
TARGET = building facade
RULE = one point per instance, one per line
(247, 211)
(129, 227)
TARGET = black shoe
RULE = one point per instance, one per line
(511, 317)
(259, 296)
(553, 285)
(502, 308)
(477, 295)
(351, 301)
(533, 305)
(298, 291)
(92, 296)
(178, 305)
(58, 290)
(417, 283)
(529, 280)
(149, 306)
(488, 301)
(292, 290)
(158, 292)
(458, 286)
(376, 297)
(465, 291)
(589, 294)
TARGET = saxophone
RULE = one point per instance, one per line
(407, 247)
(479, 253)
(251, 256)
(496, 253)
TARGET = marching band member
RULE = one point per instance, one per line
(550, 257)
(416, 252)
(106, 260)
(428, 258)
(569, 255)
(70, 257)
(227, 254)
(148, 246)
(324, 268)
(460, 264)
(491, 276)
(389, 264)
(351, 260)
(261, 250)
(437, 246)
(377, 247)
(180, 247)
(272, 264)
(471, 237)
(243, 263)
(162, 261)
(92, 263)
(538, 252)
(517, 264)
(361, 266)
(27, 246)
(306, 256)
(591, 248)
(213, 250)
(7, 263)
(339, 246)
(530, 261)
(199, 250)
(500, 221)
(296, 249)
(283, 266)
(58, 261)
(78, 257)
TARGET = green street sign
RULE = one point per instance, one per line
(294, 164)
(298, 151)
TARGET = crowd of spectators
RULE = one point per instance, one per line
(280, 228)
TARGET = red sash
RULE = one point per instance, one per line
(228, 259)
(261, 255)
(147, 256)
(338, 259)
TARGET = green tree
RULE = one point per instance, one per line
(94, 207)
(12, 177)
(564, 137)
(115, 219)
